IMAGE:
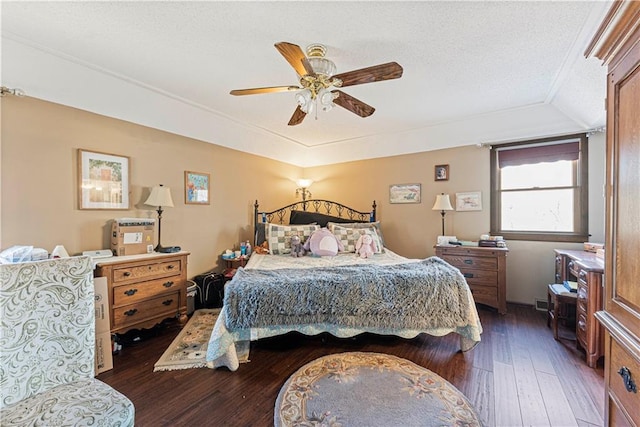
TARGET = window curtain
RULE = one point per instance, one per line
(539, 154)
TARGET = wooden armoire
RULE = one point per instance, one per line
(617, 44)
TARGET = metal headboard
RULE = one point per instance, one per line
(326, 207)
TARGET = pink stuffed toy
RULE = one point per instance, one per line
(323, 243)
(365, 246)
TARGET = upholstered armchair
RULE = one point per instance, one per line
(47, 346)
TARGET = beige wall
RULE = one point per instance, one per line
(412, 229)
(39, 191)
(39, 182)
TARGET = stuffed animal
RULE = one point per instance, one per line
(262, 249)
(323, 243)
(297, 250)
(365, 246)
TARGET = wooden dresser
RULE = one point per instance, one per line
(587, 270)
(145, 289)
(485, 270)
(617, 44)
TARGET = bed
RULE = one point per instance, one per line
(344, 295)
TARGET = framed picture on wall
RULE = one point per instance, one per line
(196, 188)
(103, 180)
(405, 193)
(442, 172)
(471, 201)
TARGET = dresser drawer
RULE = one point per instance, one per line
(147, 271)
(484, 293)
(581, 328)
(128, 294)
(480, 277)
(583, 298)
(620, 358)
(462, 261)
(134, 313)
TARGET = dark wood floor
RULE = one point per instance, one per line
(518, 375)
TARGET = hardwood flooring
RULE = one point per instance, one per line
(517, 376)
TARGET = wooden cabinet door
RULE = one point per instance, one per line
(623, 175)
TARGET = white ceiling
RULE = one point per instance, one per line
(474, 72)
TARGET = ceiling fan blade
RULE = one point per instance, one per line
(298, 117)
(353, 104)
(271, 89)
(376, 73)
(296, 57)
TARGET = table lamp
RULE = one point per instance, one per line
(161, 197)
(442, 204)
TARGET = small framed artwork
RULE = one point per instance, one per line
(196, 188)
(471, 201)
(405, 193)
(103, 180)
(442, 172)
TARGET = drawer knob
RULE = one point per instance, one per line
(468, 275)
(629, 384)
(131, 312)
(126, 274)
(468, 261)
(168, 284)
(167, 302)
(171, 266)
(130, 292)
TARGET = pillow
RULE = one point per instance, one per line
(261, 234)
(323, 243)
(279, 236)
(349, 237)
(304, 217)
(374, 225)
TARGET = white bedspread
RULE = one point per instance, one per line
(228, 347)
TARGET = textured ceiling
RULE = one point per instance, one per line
(474, 72)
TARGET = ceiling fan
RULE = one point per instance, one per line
(318, 83)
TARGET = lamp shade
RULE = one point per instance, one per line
(442, 203)
(304, 183)
(160, 196)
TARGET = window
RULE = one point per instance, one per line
(539, 189)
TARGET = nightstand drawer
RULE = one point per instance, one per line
(480, 277)
(147, 271)
(472, 262)
(128, 294)
(481, 293)
(134, 313)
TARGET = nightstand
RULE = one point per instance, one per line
(485, 270)
(231, 265)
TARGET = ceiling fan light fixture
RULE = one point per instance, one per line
(323, 66)
(320, 64)
(305, 100)
(326, 99)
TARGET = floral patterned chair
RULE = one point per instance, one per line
(47, 346)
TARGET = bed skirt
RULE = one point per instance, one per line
(228, 348)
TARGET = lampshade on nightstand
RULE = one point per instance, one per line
(442, 204)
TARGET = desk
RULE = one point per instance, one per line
(586, 269)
